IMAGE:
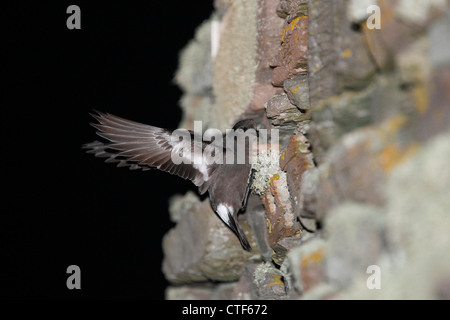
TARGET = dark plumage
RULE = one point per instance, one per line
(139, 146)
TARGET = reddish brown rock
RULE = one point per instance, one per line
(201, 247)
(354, 234)
(281, 220)
(291, 59)
(321, 53)
(281, 249)
(269, 28)
(189, 292)
(291, 9)
(297, 90)
(284, 116)
(351, 173)
(338, 56)
(305, 266)
(260, 281)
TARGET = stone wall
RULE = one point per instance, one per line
(363, 172)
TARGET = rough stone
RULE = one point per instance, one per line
(415, 223)
(321, 53)
(280, 217)
(291, 9)
(372, 104)
(284, 116)
(439, 53)
(324, 291)
(304, 267)
(281, 249)
(353, 172)
(393, 36)
(269, 28)
(357, 10)
(291, 59)
(295, 160)
(354, 241)
(307, 199)
(269, 282)
(266, 166)
(223, 291)
(260, 281)
(297, 90)
(202, 248)
(282, 113)
(354, 65)
(418, 12)
(245, 289)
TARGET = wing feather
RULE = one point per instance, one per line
(140, 146)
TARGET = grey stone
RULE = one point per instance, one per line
(321, 53)
(282, 112)
(269, 282)
(284, 116)
(202, 248)
(297, 90)
(260, 282)
(416, 259)
(338, 58)
(245, 288)
(189, 292)
(291, 9)
(179, 205)
(354, 170)
(334, 117)
(307, 198)
(355, 241)
(223, 291)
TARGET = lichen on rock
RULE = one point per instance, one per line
(266, 168)
(359, 176)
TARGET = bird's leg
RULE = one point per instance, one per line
(247, 191)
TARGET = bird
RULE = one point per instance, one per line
(141, 146)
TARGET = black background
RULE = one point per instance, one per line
(59, 205)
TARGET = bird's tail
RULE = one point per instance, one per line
(240, 234)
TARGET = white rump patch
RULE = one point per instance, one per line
(222, 211)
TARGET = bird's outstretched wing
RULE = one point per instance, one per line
(140, 146)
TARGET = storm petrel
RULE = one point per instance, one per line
(140, 146)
